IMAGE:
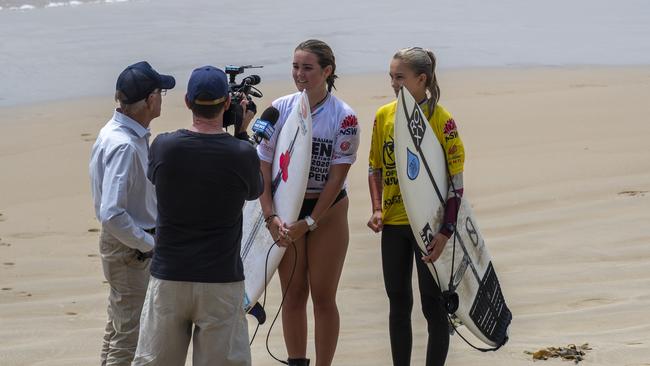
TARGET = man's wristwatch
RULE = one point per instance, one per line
(311, 223)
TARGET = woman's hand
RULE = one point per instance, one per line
(376, 223)
(435, 248)
(296, 230)
(278, 231)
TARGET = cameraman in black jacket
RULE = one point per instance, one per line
(202, 177)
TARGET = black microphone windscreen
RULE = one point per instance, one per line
(271, 115)
(252, 79)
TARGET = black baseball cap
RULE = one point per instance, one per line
(208, 85)
(139, 80)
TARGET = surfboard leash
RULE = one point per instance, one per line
(284, 294)
(452, 286)
(452, 289)
(266, 263)
(491, 349)
(449, 319)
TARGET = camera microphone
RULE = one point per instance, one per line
(247, 85)
(263, 127)
(252, 80)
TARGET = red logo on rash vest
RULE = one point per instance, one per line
(349, 121)
(349, 126)
(452, 150)
(450, 126)
(285, 158)
(450, 130)
(345, 145)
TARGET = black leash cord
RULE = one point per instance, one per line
(284, 294)
(266, 264)
(492, 349)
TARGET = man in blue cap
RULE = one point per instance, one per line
(202, 177)
(125, 204)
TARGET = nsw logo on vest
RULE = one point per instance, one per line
(349, 126)
(450, 130)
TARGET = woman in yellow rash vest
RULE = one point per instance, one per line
(413, 68)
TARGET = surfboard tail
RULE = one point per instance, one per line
(489, 310)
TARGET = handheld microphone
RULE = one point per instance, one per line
(263, 127)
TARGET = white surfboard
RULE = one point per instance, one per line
(422, 173)
(290, 172)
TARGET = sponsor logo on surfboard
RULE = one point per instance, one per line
(304, 114)
(417, 127)
(285, 159)
(426, 234)
(413, 164)
(461, 269)
(473, 234)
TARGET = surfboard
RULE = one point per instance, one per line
(422, 174)
(290, 172)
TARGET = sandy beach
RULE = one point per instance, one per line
(558, 171)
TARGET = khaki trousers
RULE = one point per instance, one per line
(128, 278)
(210, 314)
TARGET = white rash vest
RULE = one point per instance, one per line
(335, 137)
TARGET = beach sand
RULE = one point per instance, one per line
(558, 171)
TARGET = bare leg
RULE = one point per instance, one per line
(294, 309)
(326, 249)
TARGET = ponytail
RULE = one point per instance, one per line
(423, 61)
(432, 85)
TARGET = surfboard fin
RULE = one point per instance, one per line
(451, 300)
(258, 312)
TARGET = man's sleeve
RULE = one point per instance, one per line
(256, 185)
(118, 180)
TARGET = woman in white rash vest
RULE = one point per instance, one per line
(321, 233)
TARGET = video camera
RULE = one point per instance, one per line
(246, 89)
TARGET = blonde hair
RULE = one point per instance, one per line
(422, 61)
(325, 57)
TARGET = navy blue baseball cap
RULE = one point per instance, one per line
(139, 80)
(208, 85)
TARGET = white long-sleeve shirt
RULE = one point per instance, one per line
(125, 200)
